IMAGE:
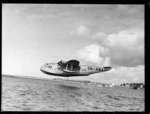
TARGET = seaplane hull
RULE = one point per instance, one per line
(71, 68)
(65, 74)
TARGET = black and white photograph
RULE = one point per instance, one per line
(73, 57)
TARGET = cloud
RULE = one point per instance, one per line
(126, 47)
(128, 59)
(121, 75)
(92, 54)
(130, 11)
(78, 31)
(82, 30)
(126, 39)
(118, 75)
(99, 36)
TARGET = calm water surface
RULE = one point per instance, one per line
(25, 94)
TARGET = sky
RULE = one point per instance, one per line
(35, 34)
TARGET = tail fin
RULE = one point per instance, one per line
(107, 62)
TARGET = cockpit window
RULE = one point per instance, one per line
(62, 63)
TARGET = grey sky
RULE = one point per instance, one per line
(33, 34)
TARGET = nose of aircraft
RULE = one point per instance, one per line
(41, 68)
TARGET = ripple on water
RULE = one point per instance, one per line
(39, 95)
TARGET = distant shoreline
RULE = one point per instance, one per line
(86, 82)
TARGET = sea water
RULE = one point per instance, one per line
(27, 94)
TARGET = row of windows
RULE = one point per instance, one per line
(86, 69)
(91, 68)
(49, 64)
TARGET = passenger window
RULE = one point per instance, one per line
(49, 66)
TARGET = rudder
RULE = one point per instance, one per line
(107, 61)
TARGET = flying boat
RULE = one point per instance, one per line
(73, 68)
